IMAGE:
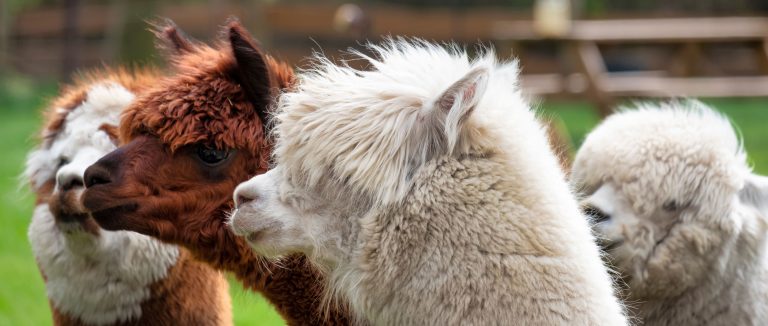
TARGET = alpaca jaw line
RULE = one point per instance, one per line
(109, 218)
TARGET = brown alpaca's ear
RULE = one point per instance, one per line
(252, 69)
(172, 39)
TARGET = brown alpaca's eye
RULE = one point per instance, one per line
(211, 156)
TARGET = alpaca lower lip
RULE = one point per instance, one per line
(68, 217)
(110, 218)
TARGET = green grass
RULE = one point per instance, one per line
(22, 298)
(749, 115)
(22, 295)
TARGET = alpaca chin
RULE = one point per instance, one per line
(69, 213)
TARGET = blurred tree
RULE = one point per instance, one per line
(70, 50)
(137, 41)
(4, 16)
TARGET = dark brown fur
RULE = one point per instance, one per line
(156, 185)
(192, 293)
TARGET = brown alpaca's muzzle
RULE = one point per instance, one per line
(105, 196)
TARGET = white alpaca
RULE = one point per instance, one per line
(427, 189)
(680, 214)
(94, 276)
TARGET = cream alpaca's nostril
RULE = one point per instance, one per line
(243, 197)
(241, 200)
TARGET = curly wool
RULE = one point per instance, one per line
(202, 102)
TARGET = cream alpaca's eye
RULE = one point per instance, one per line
(211, 156)
(670, 206)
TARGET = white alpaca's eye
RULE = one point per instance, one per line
(595, 214)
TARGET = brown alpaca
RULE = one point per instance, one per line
(190, 140)
(99, 277)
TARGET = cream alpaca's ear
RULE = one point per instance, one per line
(755, 192)
(456, 103)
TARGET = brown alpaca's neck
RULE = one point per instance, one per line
(223, 250)
(291, 285)
(192, 293)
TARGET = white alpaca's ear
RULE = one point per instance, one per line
(458, 101)
(755, 192)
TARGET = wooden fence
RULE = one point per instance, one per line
(573, 65)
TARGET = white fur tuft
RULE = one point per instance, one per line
(103, 104)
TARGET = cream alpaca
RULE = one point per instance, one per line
(680, 214)
(427, 189)
(99, 277)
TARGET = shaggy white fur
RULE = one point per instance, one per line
(680, 214)
(104, 278)
(99, 279)
(427, 188)
(81, 136)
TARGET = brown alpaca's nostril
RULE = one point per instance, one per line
(96, 175)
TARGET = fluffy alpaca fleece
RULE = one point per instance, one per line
(94, 276)
(190, 139)
(678, 210)
(427, 189)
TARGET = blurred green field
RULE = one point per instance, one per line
(22, 296)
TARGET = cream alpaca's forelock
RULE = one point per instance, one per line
(103, 104)
(696, 133)
(380, 151)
